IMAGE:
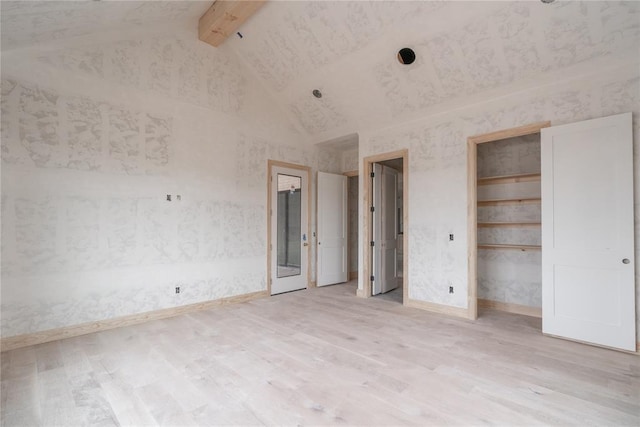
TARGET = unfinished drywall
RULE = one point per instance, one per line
(94, 138)
(438, 167)
(510, 276)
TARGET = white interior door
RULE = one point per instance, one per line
(289, 229)
(332, 229)
(588, 290)
(376, 261)
(385, 233)
(389, 229)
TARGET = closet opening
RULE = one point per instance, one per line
(505, 265)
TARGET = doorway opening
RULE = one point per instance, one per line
(386, 217)
(504, 211)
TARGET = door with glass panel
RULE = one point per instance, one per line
(289, 229)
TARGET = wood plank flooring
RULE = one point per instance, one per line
(320, 357)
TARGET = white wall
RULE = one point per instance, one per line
(437, 166)
(94, 137)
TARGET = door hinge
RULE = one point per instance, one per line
(372, 209)
(372, 243)
(371, 278)
(373, 174)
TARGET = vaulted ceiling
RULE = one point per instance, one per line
(465, 50)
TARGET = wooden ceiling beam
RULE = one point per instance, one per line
(224, 17)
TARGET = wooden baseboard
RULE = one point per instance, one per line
(510, 308)
(19, 341)
(353, 275)
(437, 308)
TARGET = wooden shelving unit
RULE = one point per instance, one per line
(501, 202)
(508, 224)
(523, 248)
(509, 179)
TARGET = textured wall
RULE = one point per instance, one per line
(506, 275)
(437, 167)
(93, 139)
(350, 160)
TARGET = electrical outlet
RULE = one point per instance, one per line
(451, 237)
(177, 289)
(168, 197)
(450, 289)
(178, 197)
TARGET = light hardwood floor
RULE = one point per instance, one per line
(320, 357)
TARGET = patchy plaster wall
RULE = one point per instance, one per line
(93, 139)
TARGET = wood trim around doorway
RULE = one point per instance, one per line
(368, 162)
(270, 165)
(472, 202)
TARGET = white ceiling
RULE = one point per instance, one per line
(348, 49)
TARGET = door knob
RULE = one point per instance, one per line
(626, 261)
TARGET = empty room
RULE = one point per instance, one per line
(319, 213)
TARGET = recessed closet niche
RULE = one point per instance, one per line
(509, 271)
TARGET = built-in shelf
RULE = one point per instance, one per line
(508, 224)
(499, 202)
(509, 179)
(511, 247)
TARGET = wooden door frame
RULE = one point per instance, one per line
(472, 202)
(270, 165)
(365, 239)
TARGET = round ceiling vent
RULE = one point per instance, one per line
(406, 56)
